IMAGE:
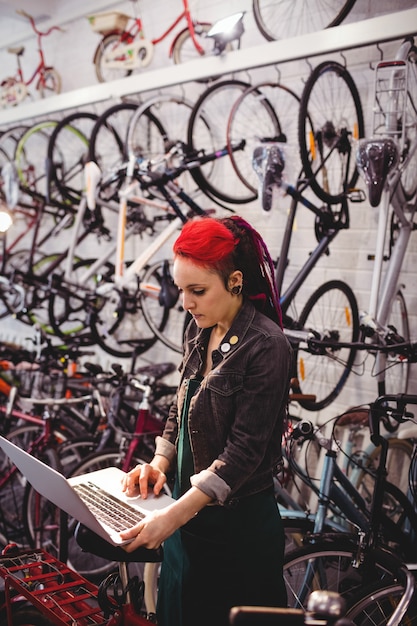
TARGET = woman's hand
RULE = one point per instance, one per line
(159, 525)
(138, 480)
(151, 531)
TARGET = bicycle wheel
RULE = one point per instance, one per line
(102, 60)
(51, 83)
(183, 48)
(374, 607)
(397, 368)
(330, 119)
(30, 156)
(156, 126)
(68, 305)
(166, 320)
(280, 19)
(108, 142)
(332, 312)
(331, 566)
(207, 131)
(67, 154)
(264, 112)
(117, 323)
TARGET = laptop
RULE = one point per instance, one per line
(95, 499)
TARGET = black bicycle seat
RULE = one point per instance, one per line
(94, 544)
(376, 158)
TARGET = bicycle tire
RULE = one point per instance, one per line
(68, 307)
(328, 564)
(332, 311)
(183, 48)
(207, 131)
(117, 324)
(330, 119)
(107, 74)
(166, 322)
(67, 153)
(264, 112)
(158, 124)
(280, 19)
(374, 607)
(51, 84)
(397, 369)
(30, 155)
(42, 518)
(108, 140)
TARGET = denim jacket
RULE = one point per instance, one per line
(236, 417)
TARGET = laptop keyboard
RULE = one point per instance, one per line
(106, 508)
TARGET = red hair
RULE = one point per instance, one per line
(205, 241)
(229, 244)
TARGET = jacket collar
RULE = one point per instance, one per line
(234, 335)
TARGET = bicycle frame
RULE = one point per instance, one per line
(130, 34)
(386, 124)
(342, 222)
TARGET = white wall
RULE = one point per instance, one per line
(71, 53)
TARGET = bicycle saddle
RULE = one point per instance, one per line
(376, 158)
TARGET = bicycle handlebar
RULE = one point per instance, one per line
(317, 344)
(31, 19)
(391, 417)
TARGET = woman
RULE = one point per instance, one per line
(223, 537)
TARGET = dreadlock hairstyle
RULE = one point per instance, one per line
(229, 244)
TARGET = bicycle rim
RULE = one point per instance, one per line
(397, 370)
(117, 324)
(104, 71)
(207, 131)
(157, 125)
(68, 305)
(332, 311)
(166, 322)
(264, 112)
(108, 142)
(184, 50)
(330, 120)
(330, 566)
(50, 84)
(30, 154)
(67, 153)
(375, 606)
(280, 19)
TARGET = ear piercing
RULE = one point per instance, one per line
(236, 290)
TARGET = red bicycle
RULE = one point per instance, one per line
(14, 89)
(124, 47)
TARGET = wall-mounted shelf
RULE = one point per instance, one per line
(372, 31)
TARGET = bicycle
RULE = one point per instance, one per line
(120, 299)
(39, 587)
(388, 163)
(124, 47)
(14, 89)
(374, 581)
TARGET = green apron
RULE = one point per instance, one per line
(221, 558)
